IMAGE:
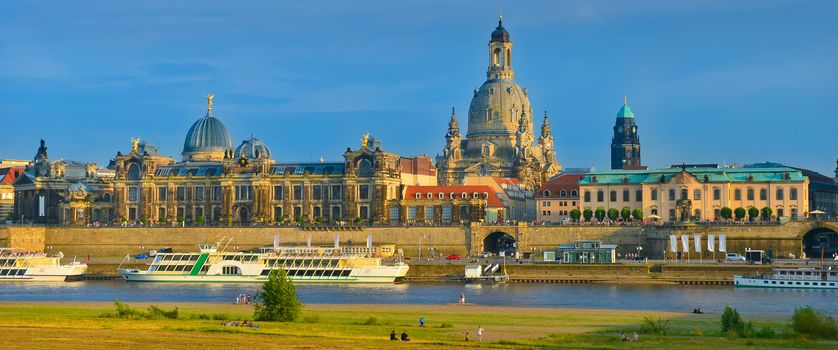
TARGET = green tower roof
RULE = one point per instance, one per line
(625, 112)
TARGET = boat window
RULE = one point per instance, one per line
(831, 284)
(781, 282)
(805, 283)
(773, 282)
(798, 283)
(193, 258)
(808, 273)
(782, 272)
(266, 272)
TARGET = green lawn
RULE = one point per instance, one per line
(80, 326)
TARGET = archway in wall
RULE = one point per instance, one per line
(820, 240)
(499, 241)
(244, 216)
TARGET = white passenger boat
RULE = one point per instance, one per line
(303, 264)
(17, 265)
(804, 277)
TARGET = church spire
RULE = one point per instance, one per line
(500, 54)
(453, 126)
(545, 127)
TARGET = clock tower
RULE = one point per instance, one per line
(625, 145)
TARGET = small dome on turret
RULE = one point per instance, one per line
(500, 35)
(253, 148)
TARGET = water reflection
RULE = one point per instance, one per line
(645, 297)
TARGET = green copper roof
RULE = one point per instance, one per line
(625, 112)
(778, 174)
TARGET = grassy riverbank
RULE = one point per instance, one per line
(81, 326)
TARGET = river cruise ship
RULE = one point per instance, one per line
(804, 277)
(17, 265)
(303, 264)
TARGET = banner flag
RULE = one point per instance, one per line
(337, 240)
(276, 241)
(697, 239)
(685, 243)
(710, 243)
(673, 245)
(722, 243)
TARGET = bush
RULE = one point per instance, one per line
(588, 214)
(807, 320)
(753, 213)
(726, 213)
(154, 313)
(651, 325)
(637, 214)
(370, 321)
(575, 214)
(766, 213)
(739, 212)
(199, 220)
(279, 299)
(732, 322)
(162, 219)
(217, 317)
(613, 214)
(600, 213)
(766, 332)
(313, 318)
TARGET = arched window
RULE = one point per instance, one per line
(600, 196)
(133, 172)
(697, 194)
(497, 57)
(587, 196)
(763, 194)
(793, 194)
(750, 194)
(574, 193)
(612, 196)
(365, 168)
(562, 193)
(780, 194)
(418, 196)
(717, 194)
(546, 193)
(106, 197)
(430, 195)
(508, 57)
(626, 195)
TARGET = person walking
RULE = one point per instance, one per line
(466, 334)
(479, 333)
(462, 298)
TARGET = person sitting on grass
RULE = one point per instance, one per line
(635, 337)
(404, 336)
(623, 337)
(393, 335)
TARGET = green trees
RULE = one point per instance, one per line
(200, 220)
(613, 214)
(575, 214)
(600, 213)
(625, 213)
(637, 214)
(807, 320)
(588, 214)
(766, 213)
(279, 299)
(726, 213)
(739, 212)
(753, 213)
(731, 321)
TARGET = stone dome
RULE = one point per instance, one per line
(251, 146)
(207, 136)
(496, 108)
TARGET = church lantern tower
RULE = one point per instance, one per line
(625, 145)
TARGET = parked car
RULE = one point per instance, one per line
(453, 257)
(734, 257)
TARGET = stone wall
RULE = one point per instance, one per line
(118, 241)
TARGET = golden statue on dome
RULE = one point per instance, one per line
(209, 102)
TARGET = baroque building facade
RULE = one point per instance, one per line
(697, 193)
(214, 183)
(500, 139)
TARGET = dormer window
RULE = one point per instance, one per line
(430, 195)
(475, 195)
(562, 193)
(452, 195)
(441, 195)
(418, 196)
(464, 195)
(546, 193)
(486, 195)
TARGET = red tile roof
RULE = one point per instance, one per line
(492, 201)
(11, 175)
(567, 182)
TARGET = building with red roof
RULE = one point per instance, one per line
(434, 205)
(557, 197)
(7, 190)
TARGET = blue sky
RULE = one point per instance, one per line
(709, 81)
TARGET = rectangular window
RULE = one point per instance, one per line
(336, 192)
(684, 193)
(162, 193)
(411, 213)
(364, 192)
(638, 195)
(216, 214)
(277, 193)
(737, 195)
(612, 196)
(750, 194)
(277, 213)
(446, 213)
(132, 194)
(199, 212)
(316, 194)
(429, 213)
(317, 212)
(364, 212)
(298, 193)
(298, 211)
(216, 193)
(763, 194)
(625, 195)
(717, 194)
(180, 193)
(671, 214)
(587, 196)
(697, 194)
(600, 196)
(394, 213)
(654, 194)
(672, 194)
(780, 195)
(793, 194)
(199, 193)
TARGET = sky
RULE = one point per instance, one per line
(708, 81)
